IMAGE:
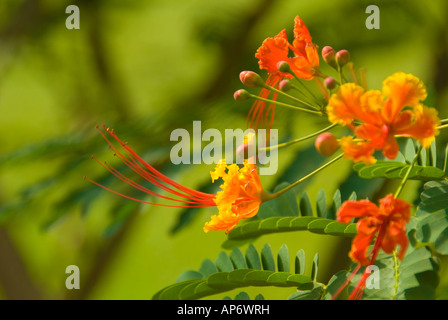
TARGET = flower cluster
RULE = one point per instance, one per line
(377, 119)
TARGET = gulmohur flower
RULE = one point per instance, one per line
(377, 116)
(304, 63)
(387, 223)
(240, 197)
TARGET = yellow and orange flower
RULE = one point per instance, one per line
(304, 63)
(377, 116)
(240, 197)
(387, 222)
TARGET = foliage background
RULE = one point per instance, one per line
(145, 68)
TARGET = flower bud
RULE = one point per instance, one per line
(283, 66)
(330, 83)
(241, 95)
(328, 54)
(342, 57)
(326, 144)
(284, 85)
(251, 79)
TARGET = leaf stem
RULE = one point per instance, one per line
(282, 145)
(405, 178)
(271, 196)
(396, 273)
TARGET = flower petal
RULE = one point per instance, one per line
(404, 90)
(356, 209)
(358, 151)
(272, 51)
(423, 126)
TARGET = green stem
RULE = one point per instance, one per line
(405, 178)
(442, 127)
(340, 74)
(396, 273)
(282, 145)
(266, 86)
(280, 192)
(285, 105)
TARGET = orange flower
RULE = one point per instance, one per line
(304, 63)
(388, 222)
(240, 197)
(377, 116)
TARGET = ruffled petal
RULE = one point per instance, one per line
(272, 51)
(356, 209)
(422, 126)
(343, 106)
(403, 90)
(358, 151)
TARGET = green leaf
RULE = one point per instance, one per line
(434, 197)
(267, 259)
(417, 277)
(433, 228)
(207, 268)
(189, 275)
(336, 204)
(223, 263)
(237, 258)
(409, 151)
(221, 281)
(285, 205)
(305, 205)
(397, 170)
(242, 296)
(314, 293)
(321, 204)
(315, 267)
(300, 262)
(288, 224)
(252, 258)
(283, 259)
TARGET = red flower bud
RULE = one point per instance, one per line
(283, 66)
(342, 57)
(241, 95)
(330, 83)
(284, 85)
(251, 79)
(328, 54)
(326, 144)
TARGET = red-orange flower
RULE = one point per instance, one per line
(387, 222)
(304, 63)
(240, 197)
(377, 116)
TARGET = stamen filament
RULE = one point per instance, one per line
(266, 86)
(284, 104)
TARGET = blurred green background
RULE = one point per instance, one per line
(145, 68)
